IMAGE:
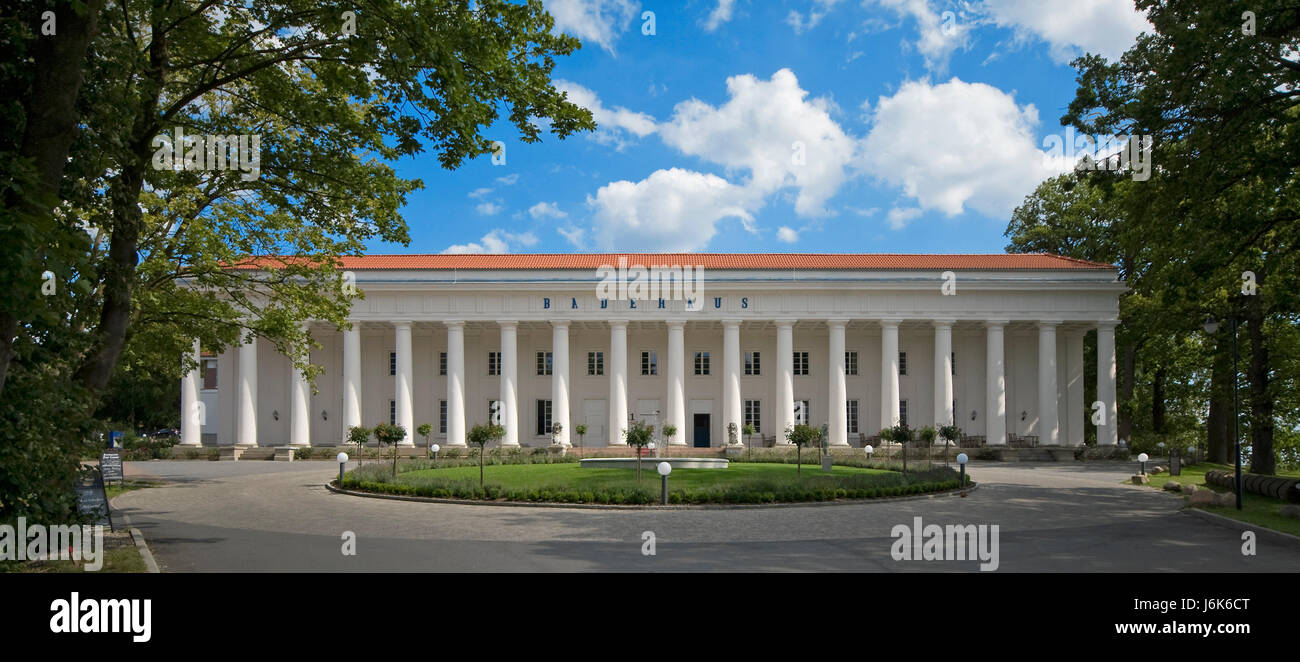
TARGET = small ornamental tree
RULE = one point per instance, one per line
(670, 431)
(581, 429)
(390, 434)
(800, 436)
(481, 435)
(639, 435)
(426, 430)
(950, 434)
(901, 435)
(928, 435)
(749, 432)
(358, 435)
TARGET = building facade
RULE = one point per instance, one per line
(992, 343)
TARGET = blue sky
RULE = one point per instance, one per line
(780, 126)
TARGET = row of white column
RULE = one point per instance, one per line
(675, 414)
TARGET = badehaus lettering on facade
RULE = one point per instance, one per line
(658, 282)
(856, 342)
(209, 153)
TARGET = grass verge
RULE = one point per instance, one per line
(1256, 509)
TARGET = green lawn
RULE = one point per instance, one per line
(573, 476)
(568, 482)
(1256, 509)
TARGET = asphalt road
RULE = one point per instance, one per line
(278, 517)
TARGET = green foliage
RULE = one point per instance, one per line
(147, 448)
(803, 435)
(927, 434)
(670, 431)
(950, 433)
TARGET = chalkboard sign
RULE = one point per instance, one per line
(92, 501)
(110, 466)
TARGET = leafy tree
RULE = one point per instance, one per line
(386, 433)
(581, 429)
(670, 431)
(800, 436)
(426, 430)
(901, 435)
(638, 436)
(481, 435)
(146, 257)
(928, 435)
(748, 431)
(358, 435)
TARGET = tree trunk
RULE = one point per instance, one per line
(1124, 408)
(1158, 400)
(1218, 423)
(1261, 402)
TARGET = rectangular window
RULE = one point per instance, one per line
(442, 363)
(494, 364)
(850, 363)
(751, 363)
(392, 363)
(853, 416)
(702, 363)
(543, 364)
(392, 412)
(650, 363)
(543, 417)
(801, 363)
(902, 412)
(902, 363)
(753, 415)
(209, 372)
(801, 411)
(595, 363)
(442, 417)
(494, 413)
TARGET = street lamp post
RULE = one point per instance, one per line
(1211, 327)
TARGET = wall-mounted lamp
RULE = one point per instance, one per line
(1024, 415)
(972, 414)
(324, 416)
(275, 414)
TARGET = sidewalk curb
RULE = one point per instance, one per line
(601, 506)
(1272, 535)
(150, 564)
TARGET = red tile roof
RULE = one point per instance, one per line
(754, 261)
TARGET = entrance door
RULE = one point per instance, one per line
(593, 414)
(702, 430)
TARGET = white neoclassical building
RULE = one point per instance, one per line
(992, 343)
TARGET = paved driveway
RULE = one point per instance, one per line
(269, 516)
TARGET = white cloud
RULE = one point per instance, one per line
(802, 23)
(955, 145)
(787, 235)
(546, 210)
(613, 126)
(899, 217)
(496, 241)
(1072, 27)
(770, 129)
(479, 192)
(720, 14)
(599, 21)
(489, 208)
(573, 235)
(671, 210)
(938, 35)
(508, 180)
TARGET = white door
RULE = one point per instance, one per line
(647, 411)
(593, 414)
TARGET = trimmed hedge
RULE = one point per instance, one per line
(470, 490)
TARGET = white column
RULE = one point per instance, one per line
(784, 378)
(1049, 424)
(456, 383)
(731, 412)
(560, 380)
(299, 416)
(351, 378)
(403, 382)
(676, 414)
(246, 432)
(191, 405)
(617, 382)
(510, 382)
(1108, 432)
(1076, 412)
(995, 404)
(838, 420)
(943, 413)
(889, 408)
